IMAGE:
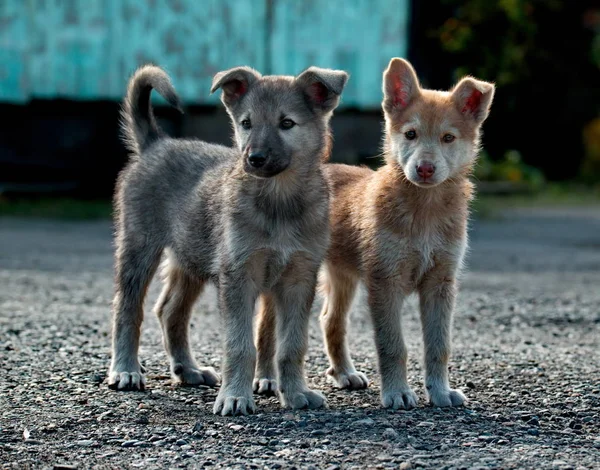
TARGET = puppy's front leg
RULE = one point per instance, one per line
(437, 294)
(385, 302)
(237, 296)
(294, 295)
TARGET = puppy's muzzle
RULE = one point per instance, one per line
(264, 163)
(257, 159)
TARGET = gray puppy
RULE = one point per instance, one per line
(252, 219)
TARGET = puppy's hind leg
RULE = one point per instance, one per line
(339, 289)
(136, 263)
(265, 382)
(174, 309)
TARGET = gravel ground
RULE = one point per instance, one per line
(525, 353)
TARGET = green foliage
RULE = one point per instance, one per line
(59, 208)
(506, 59)
(511, 168)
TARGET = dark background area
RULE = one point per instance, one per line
(544, 57)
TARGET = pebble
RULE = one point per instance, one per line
(129, 443)
(390, 434)
(405, 466)
(364, 422)
(181, 442)
(533, 432)
(317, 432)
(142, 420)
(198, 426)
(85, 443)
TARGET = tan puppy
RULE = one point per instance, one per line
(403, 230)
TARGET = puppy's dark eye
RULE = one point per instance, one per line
(410, 135)
(448, 138)
(286, 124)
(246, 124)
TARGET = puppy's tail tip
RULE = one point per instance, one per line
(138, 123)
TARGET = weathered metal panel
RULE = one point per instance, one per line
(359, 36)
(86, 49)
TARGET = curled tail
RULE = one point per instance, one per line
(139, 125)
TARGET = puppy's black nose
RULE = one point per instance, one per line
(257, 158)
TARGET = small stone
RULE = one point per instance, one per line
(129, 443)
(96, 378)
(181, 442)
(405, 466)
(159, 443)
(533, 432)
(364, 422)
(270, 432)
(85, 443)
(533, 422)
(32, 441)
(263, 442)
(236, 427)
(64, 466)
(186, 447)
(502, 442)
(273, 442)
(390, 434)
(142, 420)
(470, 384)
(198, 426)
(317, 432)
(143, 444)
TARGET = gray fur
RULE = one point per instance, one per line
(219, 220)
(139, 125)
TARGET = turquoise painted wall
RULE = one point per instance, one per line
(86, 49)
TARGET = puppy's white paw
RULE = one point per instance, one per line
(402, 399)
(349, 379)
(303, 400)
(124, 380)
(265, 386)
(445, 396)
(194, 376)
(232, 403)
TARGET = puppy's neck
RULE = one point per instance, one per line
(284, 196)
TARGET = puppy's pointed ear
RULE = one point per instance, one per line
(322, 87)
(400, 85)
(234, 83)
(473, 98)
